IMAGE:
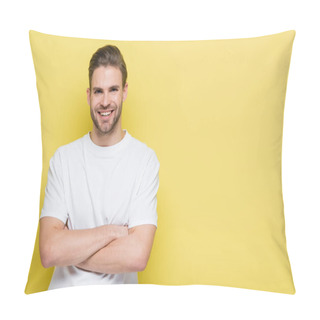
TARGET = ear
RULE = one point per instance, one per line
(125, 92)
(88, 96)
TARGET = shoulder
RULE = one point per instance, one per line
(70, 150)
(143, 151)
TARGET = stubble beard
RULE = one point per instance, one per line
(111, 128)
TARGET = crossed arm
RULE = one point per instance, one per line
(105, 249)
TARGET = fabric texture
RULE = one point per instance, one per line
(90, 186)
(213, 112)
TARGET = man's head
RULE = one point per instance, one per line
(108, 89)
(108, 56)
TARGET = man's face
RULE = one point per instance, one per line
(105, 99)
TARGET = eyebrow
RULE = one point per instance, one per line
(112, 87)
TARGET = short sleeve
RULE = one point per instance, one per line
(144, 204)
(54, 200)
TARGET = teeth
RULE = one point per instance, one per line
(105, 113)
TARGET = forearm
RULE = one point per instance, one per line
(70, 247)
(126, 254)
(63, 247)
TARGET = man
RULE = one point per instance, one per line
(99, 217)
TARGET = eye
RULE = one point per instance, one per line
(114, 89)
(97, 91)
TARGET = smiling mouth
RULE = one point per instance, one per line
(106, 114)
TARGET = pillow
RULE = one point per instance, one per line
(213, 112)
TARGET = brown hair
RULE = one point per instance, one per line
(108, 56)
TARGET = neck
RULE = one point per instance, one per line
(106, 140)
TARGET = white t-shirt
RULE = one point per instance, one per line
(89, 186)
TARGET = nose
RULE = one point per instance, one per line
(105, 99)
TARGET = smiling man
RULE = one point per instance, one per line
(99, 216)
